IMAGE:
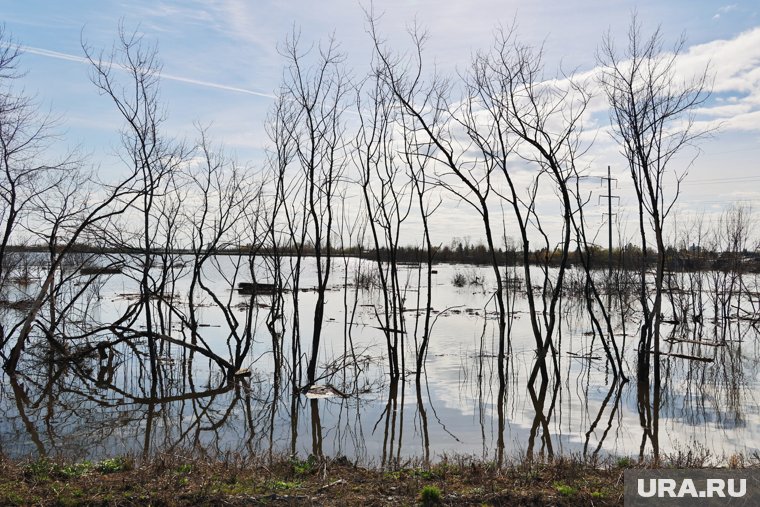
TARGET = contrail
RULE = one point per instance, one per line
(197, 82)
(207, 84)
(217, 86)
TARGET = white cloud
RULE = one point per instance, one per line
(735, 67)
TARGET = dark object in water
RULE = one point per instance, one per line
(684, 356)
(100, 270)
(256, 288)
(22, 305)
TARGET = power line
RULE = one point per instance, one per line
(609, 198)
(738, 179)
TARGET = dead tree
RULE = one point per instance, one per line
(220, 193)
(428, 103)
(387, 203)
(652, 115)
(290, 210)
(316, 130)
(130, 78)
(26, 172)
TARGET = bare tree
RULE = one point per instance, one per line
(52, 216)
(58, 202)
(728, 240)
(214, 211)
(428, 104)
(387, 202)
(130, 77)
(652, 115)
(26, 175)
(290, 208)
(317, 131)
(416, 155)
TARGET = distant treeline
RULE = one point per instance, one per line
(629, 257)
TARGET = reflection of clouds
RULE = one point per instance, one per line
(462, 414)
(575, 410)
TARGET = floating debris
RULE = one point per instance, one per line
(685, 356)
(326, 391)
(696, 342)
(256, 288)
(21, 304)
(100, 270)
(589, 357)
(24, 280)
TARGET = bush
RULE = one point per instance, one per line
(367, 280)
(459, 280)
(430, 495)
(471, 277)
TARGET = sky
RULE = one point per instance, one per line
(221, 67)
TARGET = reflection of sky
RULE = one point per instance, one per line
(712, 404)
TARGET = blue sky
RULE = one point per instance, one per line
(221, 64)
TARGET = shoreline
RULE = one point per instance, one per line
(178, 480)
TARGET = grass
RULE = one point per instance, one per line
(44, 469)
(564, 489)
(170, 479)
(113, 465)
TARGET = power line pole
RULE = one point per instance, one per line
(609, 198)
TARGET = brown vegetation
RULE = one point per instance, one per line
(177, 480)
(171, 479)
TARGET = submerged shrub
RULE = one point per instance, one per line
(367, 280)
(470, 277)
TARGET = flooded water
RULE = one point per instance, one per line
(78, 400)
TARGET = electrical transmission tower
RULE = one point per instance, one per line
(609, 213)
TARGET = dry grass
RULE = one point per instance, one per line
(170, 479)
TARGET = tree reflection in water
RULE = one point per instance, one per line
(104, 394)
